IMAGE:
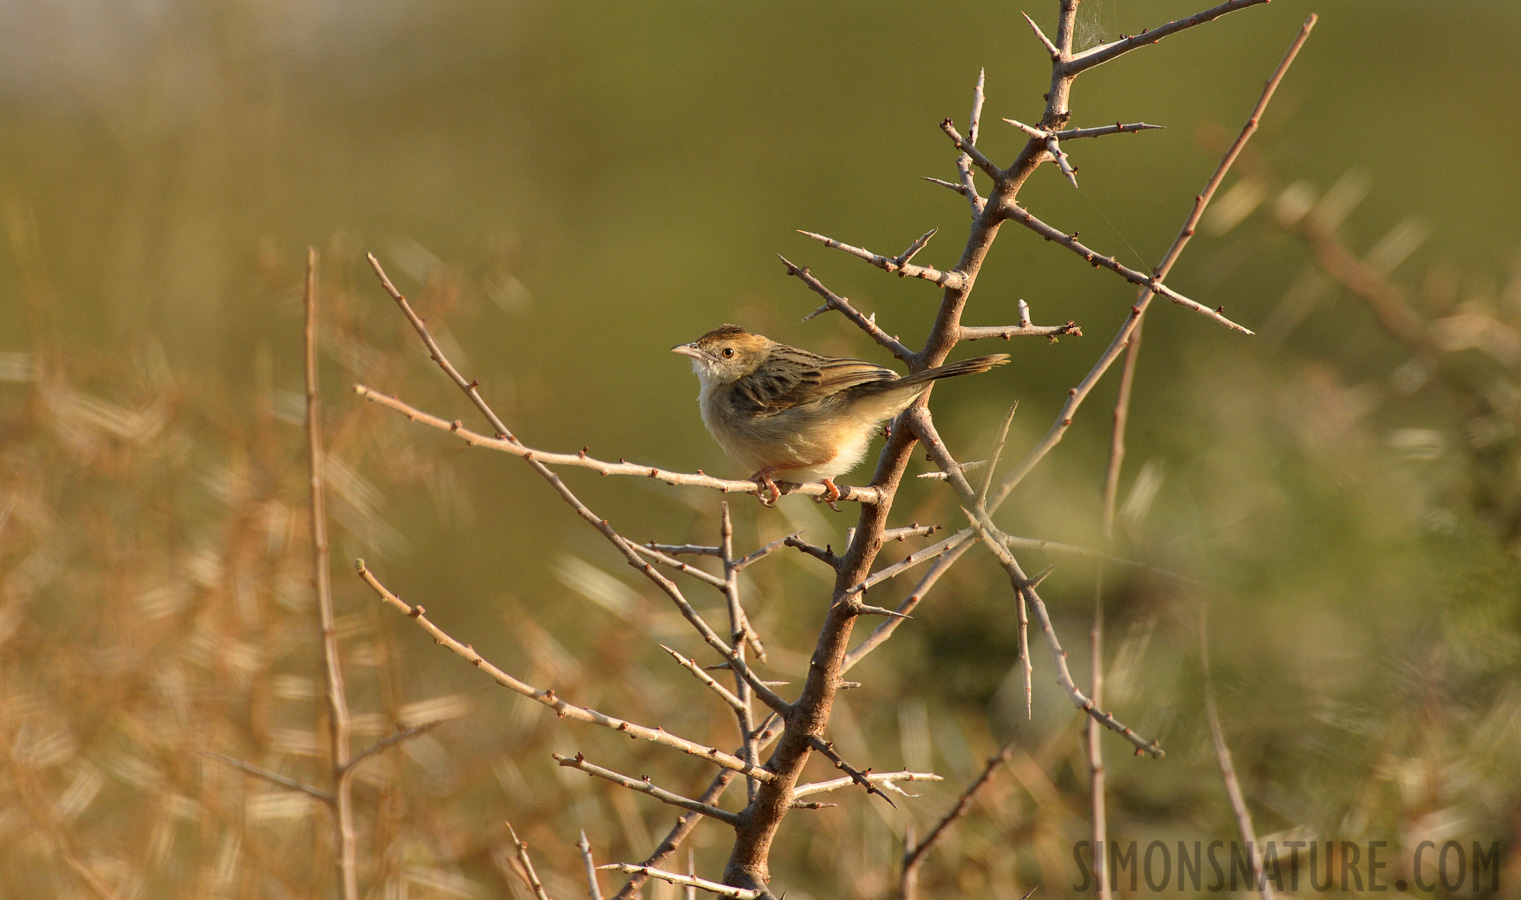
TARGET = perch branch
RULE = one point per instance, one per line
(580, 460)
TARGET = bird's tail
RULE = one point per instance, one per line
(963, 367)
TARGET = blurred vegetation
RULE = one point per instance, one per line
(567, 191)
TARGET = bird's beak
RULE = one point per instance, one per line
(688, 350)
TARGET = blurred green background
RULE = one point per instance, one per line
(568, 190)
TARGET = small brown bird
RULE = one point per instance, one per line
(787, 412)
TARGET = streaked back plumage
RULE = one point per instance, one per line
(784, 409)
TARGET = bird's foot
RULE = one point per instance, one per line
(831, 494)
(763, 479)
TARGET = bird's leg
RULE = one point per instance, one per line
(831, 494)
(763, 478)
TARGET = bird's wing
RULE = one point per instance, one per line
(802, 378)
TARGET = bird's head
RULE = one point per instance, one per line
(725, 354)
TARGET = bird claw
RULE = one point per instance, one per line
(763, 479)
(831, 494)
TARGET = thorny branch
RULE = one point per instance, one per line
(549, 698)
(797, 727)
(644, 786)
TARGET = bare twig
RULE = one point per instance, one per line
(529, 875)
(910, 561)
(673, 838)
(914, 856)
(1097, 777)
(1005, 332)
(1072, 134)
(1078, 394)
(897, 265)
(549, 698)
(858, 776)
(955, 547)
(822, 554)
(685, 549)
(1054, 147)
(739, 631)
(937, 475)
(723, 693)
(1023, 585)
(643, 786)
(1082, 702)
(1105, 52)
(998, 442)
(1051, 49)
(950, 185)
(888, 780)
(389, 741)
(756, 556)
(711, 887)
(964, 162)
(672, 562)
(593, 889)
(286, 781)
(834, 301)
(969, 149)
(1098, 260)
(1025, 663)
(1228, 769)
(908, 531)
(337, 700)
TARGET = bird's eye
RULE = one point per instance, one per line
(728, 352)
